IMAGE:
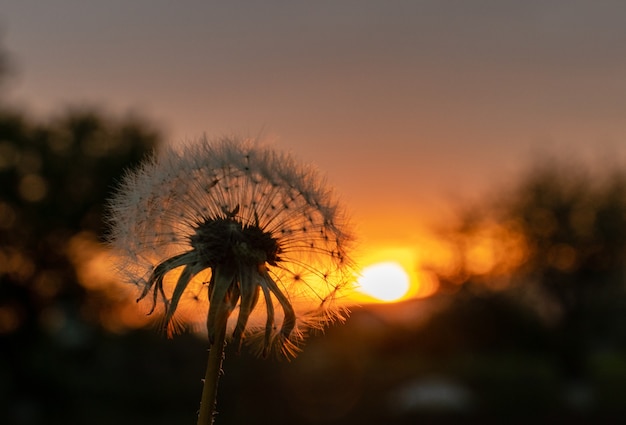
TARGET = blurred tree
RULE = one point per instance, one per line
(557, 244)
(54, 179)
(575, 228)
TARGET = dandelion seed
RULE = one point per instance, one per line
(265, 233)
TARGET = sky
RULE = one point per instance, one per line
(408, 107)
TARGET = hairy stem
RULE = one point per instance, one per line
(211, 378)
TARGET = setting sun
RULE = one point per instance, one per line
(387, 281)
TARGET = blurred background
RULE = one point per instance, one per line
(491, 137)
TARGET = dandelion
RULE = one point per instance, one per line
(237, 233)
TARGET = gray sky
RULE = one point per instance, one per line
(404, 104)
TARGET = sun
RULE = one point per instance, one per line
(385, 281)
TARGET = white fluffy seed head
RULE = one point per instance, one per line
(159, 207)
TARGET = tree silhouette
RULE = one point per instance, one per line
(558, 247)
(54, 179)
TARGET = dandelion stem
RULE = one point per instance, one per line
(211, 378)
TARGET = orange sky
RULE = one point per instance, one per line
(408, 107)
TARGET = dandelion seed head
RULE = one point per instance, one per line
(231, 226)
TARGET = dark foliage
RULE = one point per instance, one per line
(54, 180)
(572, 277)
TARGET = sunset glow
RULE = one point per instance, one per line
(384, 281)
